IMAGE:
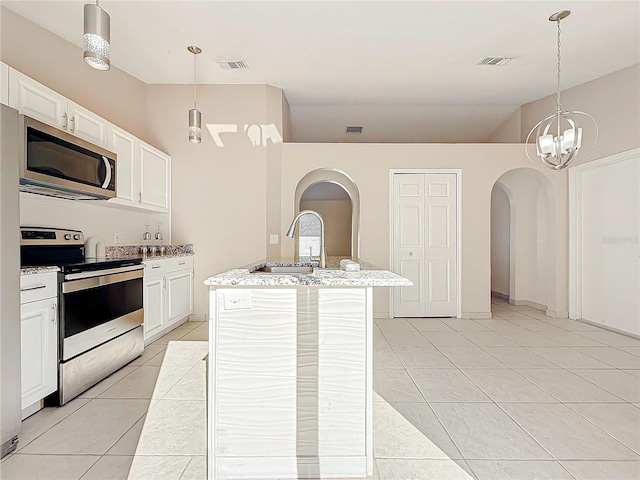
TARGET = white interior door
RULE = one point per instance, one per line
(425, 244)
(609, 204)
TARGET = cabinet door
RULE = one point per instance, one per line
(179, 295)
(87, 125)
(124, 145)
(4, 83)
(154, 305)
(155, 169)
(39, 350)
(37, 101)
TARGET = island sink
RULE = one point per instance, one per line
(284, 269)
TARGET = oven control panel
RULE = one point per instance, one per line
(50, 236)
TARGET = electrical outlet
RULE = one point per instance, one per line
(237, 300)
(116, 238)
(273, 239)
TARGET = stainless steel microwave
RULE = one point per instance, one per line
(58, 164)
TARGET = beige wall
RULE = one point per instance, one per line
(219, 194)
(500, 242)
(509, 131)
(336, 215)
(56, 63)
(482, 165)
(614, 102)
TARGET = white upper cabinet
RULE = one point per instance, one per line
(143, 172)
(4, 83)
(155, 174)
(86, 125)
(125, 146)
(37, 101)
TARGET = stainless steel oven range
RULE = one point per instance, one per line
(100, 308)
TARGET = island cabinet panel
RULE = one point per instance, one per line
(256, 373)
(290, 378)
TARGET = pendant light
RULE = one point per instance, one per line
(558, 137)
(195, 117)
(97, 37)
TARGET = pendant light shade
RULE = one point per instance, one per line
(97, 37)
(195, 117)
(559, 137)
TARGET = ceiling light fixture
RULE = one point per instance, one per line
(97, 37)
(559, 151)
(195, 117)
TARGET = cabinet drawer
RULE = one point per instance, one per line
(38, 286)
(166, 265)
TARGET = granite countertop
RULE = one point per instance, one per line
(34, 270)
(134, 251)
(368, 275)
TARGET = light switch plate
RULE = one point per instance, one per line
(273, 238)
(237, 300)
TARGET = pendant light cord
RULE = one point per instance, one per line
(558, 104)
(195, 78)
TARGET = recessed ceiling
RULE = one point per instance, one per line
(365, 53)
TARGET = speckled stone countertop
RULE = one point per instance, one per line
(134, 251)
(368, 276)
(34, 270)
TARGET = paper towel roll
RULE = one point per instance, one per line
(349, 265)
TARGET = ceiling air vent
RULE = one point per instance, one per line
(233, 64)
(495, 61)
(354, 130)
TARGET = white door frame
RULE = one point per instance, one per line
(458, 174)
(575, 224)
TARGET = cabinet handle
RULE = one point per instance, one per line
(73, 123)
(156, 266)
(139, 197)
(164, 283)
(37, 287)
(64, 117)
(182, 263)
(54, 312)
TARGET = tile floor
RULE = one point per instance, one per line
(520, 396)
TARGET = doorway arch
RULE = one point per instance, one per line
(531, 233)
(339, 179)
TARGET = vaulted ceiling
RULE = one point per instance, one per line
(403, 70)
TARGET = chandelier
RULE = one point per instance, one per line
(558, 137)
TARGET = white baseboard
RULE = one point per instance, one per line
(528, 303)
(197, 317)
(290, 467)
(607, 327)
(552, 314)
(381, 315)
(481, 315)
(504, 296)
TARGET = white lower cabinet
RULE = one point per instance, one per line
(39, 340)
(168, 294)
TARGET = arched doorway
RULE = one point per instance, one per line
(333, 194)
(522, 231)
(333, 203)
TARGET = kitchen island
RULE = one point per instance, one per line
(290, 371)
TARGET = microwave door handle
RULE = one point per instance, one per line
(108, 169)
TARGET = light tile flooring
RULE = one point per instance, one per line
(520, 396)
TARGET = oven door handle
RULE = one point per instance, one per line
(101, 273)
(100, 281)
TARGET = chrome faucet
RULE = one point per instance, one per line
(292, 230)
